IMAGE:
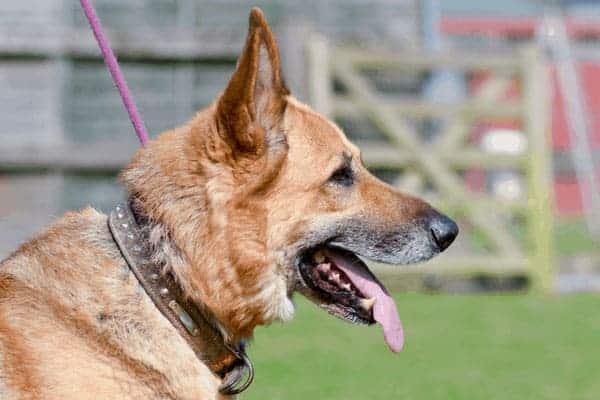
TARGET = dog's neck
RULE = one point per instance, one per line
(130, 229)
(165, 254)
(203, 230)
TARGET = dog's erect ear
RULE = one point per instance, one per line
(253, 101)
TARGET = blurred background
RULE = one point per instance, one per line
(486, 109)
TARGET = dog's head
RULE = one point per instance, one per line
(263, 197)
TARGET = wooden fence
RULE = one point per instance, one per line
(499, 236)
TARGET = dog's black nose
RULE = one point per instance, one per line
(443, 229)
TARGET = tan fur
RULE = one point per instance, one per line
(230, 196)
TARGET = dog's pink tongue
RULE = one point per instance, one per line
(384, 310)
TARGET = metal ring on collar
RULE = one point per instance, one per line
(231, 383)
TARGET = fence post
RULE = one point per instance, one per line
(537, 96)
(319, 74)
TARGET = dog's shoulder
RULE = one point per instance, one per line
(70, 307)
(72, 231)
(75, 247)
(43, 283)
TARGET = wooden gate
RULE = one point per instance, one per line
(499, 236)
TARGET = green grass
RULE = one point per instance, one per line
(457, 347)
(571, 237)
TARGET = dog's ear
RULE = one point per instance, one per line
(253, 101)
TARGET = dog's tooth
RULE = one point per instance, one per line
(335, 276)
(368, 303)
(324, 267)
(319, 257)
(346, 286)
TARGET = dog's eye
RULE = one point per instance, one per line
(343, 176)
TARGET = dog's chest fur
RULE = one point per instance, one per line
(75, 323)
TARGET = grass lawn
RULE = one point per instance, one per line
(457, 347)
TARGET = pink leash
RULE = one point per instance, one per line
(115, 71)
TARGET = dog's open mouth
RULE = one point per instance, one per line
(342, 284)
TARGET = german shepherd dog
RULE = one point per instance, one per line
(253, 199)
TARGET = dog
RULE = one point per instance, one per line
(255, 198)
